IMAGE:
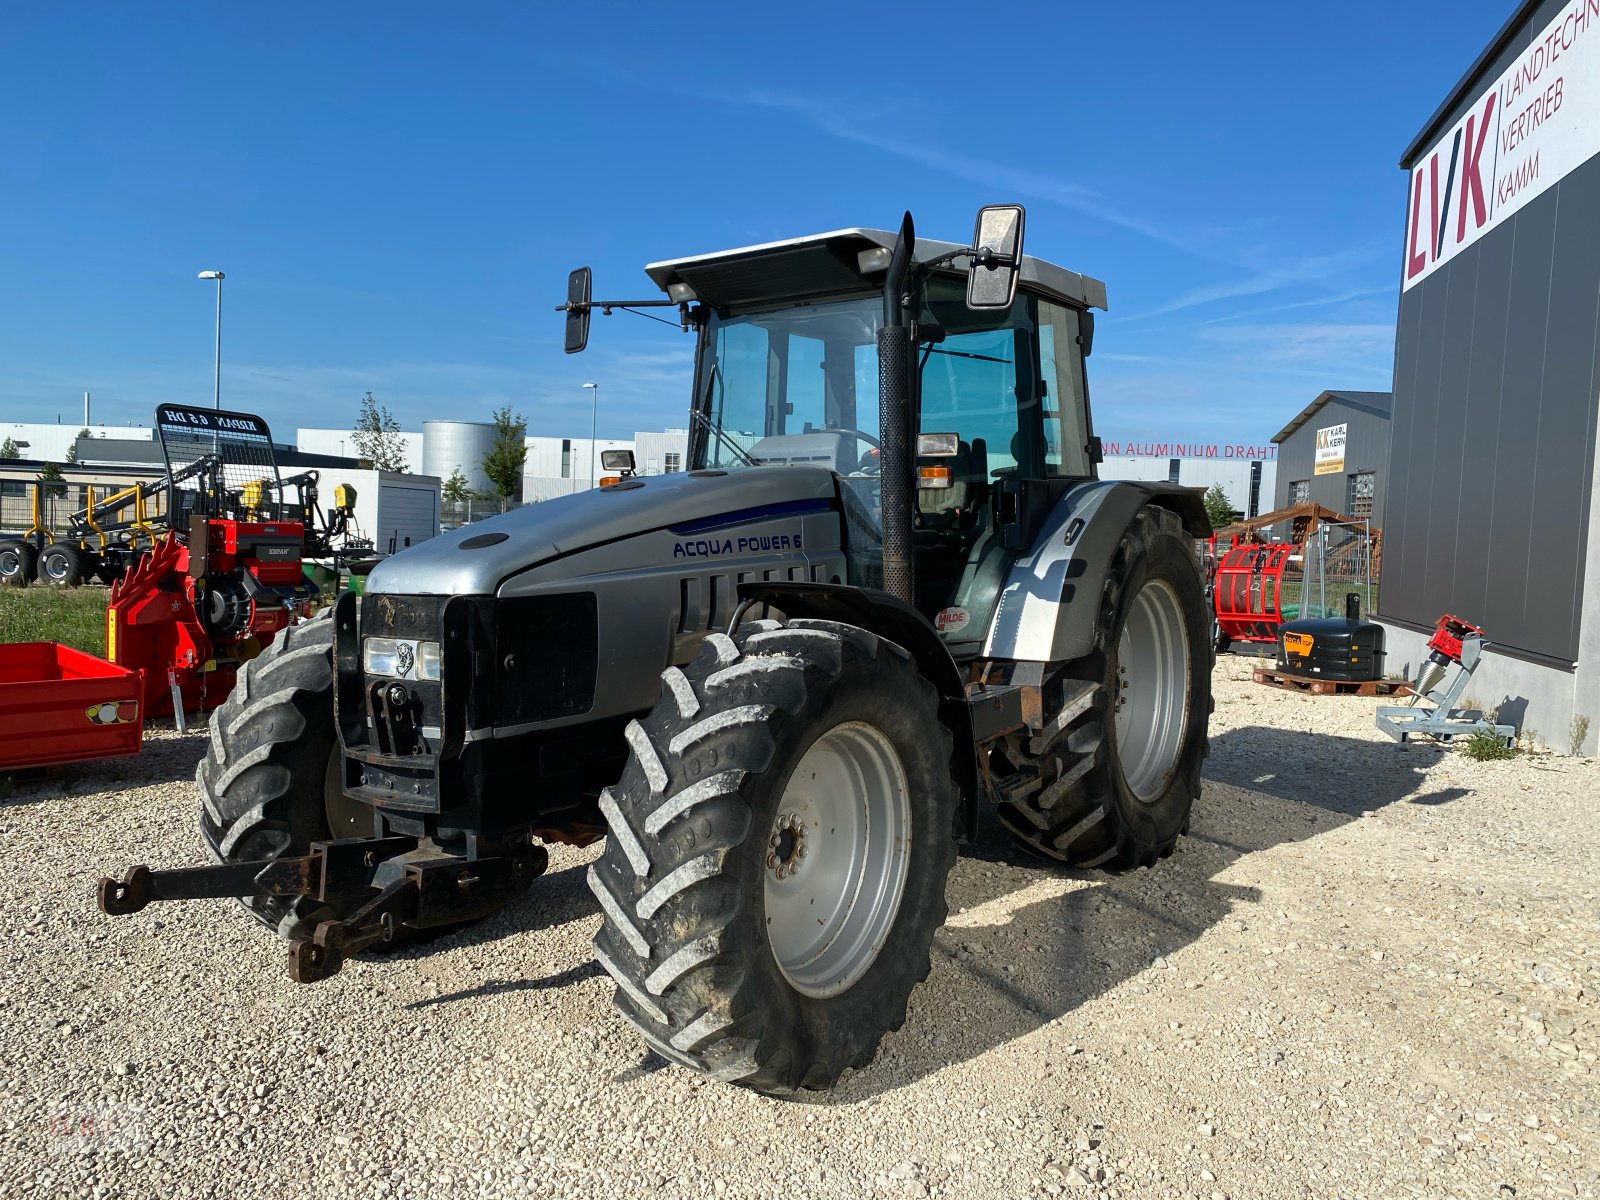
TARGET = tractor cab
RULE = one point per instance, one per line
(787, 373)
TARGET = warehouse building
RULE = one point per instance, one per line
(1491, 508)
(1336, 453)
(1246, 471)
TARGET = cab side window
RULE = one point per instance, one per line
(1066, 409)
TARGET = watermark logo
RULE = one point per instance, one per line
(97, 1129)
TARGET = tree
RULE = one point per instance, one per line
(54, 482)
(504, 460)
(1219, 509)
(72, 451)
(10, 449)
(456, 490)
(380, 445)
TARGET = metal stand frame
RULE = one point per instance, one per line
(1443, 722)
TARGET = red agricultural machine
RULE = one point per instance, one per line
(192, 607)
(1256, 585)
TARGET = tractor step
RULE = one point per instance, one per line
(390, 883)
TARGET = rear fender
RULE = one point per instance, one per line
(894, 619)
(1050, 602)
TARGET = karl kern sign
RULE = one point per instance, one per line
(1113, 449)
(1329, 459)
(1538, 123)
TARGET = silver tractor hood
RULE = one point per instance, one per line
(477, 558)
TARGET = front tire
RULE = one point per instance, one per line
(1114, 786)
(269, 779)
(780, 841)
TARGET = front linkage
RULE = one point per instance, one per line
(412, 885)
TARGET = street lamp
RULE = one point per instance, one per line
(216, 377)
(594, 413)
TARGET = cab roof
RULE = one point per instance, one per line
(823, 264)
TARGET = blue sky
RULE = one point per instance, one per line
(396, 192)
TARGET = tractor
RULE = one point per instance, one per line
(782, 684)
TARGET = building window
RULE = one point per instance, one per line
(1300, 491)
(1359, 498)
(566, 458)
(674, 462)
(1172, 469)
(1255, 489)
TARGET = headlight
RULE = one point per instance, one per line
(428, 660)
(400, 659)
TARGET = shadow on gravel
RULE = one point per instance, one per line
(496, 987)
(1011, 963)
(553, 900)
(1343, 775)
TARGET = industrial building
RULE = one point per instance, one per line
(393, 509)
(1247, 472)
(555, 466)
(1490, 513)
(1336, 453)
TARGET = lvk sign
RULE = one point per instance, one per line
(1539, 122)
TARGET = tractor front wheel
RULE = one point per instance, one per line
(269, 781)
(779, 845)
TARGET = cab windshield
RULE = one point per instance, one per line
(800, 384)
(797, 384)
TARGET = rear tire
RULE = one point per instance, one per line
(1115, 788)
(18, 564)
(267, 778)
(780, 841)
(61, 565)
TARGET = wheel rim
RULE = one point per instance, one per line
(54, 567)
(836, 859)
(346, 817)
(1152, 683)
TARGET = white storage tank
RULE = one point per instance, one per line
(448, 445)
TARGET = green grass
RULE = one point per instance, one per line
(74, 617)
(1487, 746)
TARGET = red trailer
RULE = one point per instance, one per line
(59, 705)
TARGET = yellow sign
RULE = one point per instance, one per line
(1298, 643)
(1329, 459)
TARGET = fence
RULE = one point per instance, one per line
(58, 502)
(1338, 561)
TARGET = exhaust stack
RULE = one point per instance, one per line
(894, 419)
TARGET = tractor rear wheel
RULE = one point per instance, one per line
(1114, 784)
(269, 782)
(61, 565)
(18, 564)
(779, 845)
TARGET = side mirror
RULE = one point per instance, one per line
(579, 287)
(617, 460)
(996, 257)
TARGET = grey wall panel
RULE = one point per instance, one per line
(1423, 402)
(1397, 511)
(1482, 415)
(1527, 310)
(1562, 456)
(1501, 545)
(1446, 502)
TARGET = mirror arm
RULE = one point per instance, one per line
(605, 307)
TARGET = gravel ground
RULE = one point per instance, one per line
(1371, 971)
